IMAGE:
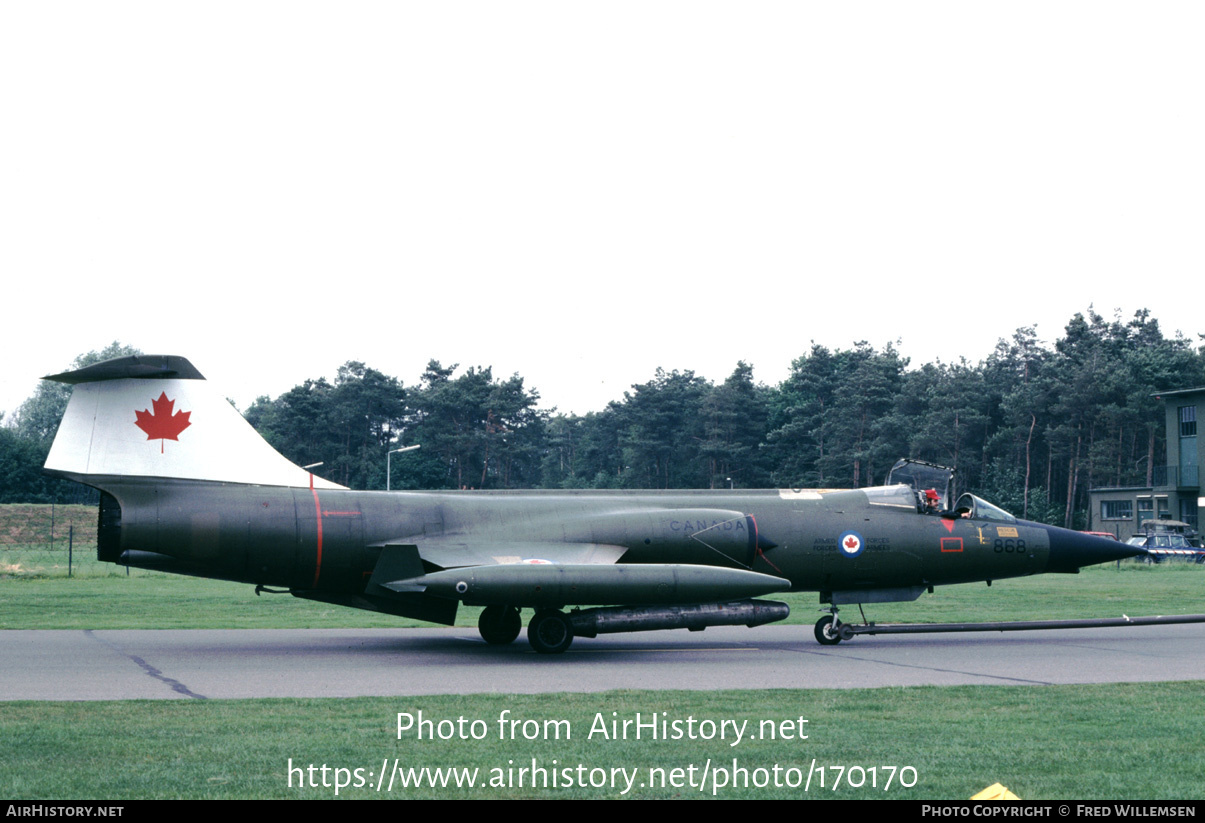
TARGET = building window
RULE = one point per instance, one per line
(1188, 421)
(1188, 511)
(1146, 509)
(1116, 509)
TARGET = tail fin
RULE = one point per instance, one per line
(156, 416)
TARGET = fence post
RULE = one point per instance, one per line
(70, 543)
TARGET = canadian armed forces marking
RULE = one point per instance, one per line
(851, 544)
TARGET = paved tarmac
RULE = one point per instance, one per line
(197, 664)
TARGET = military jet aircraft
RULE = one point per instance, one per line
(188, 486)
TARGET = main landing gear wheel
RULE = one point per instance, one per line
(499, 625)
(826, 632)
(550, 632)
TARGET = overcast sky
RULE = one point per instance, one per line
(581, 193)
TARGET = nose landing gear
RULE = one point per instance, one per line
(827, 630)
(830, 630)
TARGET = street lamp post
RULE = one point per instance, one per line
(389, 462)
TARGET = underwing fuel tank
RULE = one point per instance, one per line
(577, 584)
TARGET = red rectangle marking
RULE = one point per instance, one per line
(951, 544)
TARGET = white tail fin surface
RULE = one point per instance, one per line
(157, 416)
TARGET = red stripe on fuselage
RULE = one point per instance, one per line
(318, 519)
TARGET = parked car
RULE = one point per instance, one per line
(1165, 539)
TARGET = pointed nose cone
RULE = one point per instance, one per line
(1070, 551)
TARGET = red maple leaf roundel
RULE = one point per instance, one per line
(161, 424)
(851, 542)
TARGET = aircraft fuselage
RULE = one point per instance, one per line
(331, 540)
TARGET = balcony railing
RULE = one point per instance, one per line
(1170, 476)
(1188, 476)
(1179, 476)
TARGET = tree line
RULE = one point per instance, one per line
(1032, 427)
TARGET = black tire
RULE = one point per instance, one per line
(499, 625)
(550, 632)
(825, 635)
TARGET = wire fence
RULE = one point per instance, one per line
(50, 540)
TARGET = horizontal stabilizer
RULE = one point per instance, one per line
(137, 366)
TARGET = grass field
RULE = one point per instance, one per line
(38, 540)
(1067, 742)
(1141, 741)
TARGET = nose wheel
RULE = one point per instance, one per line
(828, 630)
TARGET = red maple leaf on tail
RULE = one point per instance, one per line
(161, 424)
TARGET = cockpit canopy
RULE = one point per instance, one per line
(932, 486)
(924, 477)
(977, 508)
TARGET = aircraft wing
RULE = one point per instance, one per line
(457, 553)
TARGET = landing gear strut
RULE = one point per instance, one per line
(550, 631)
(499, 625)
